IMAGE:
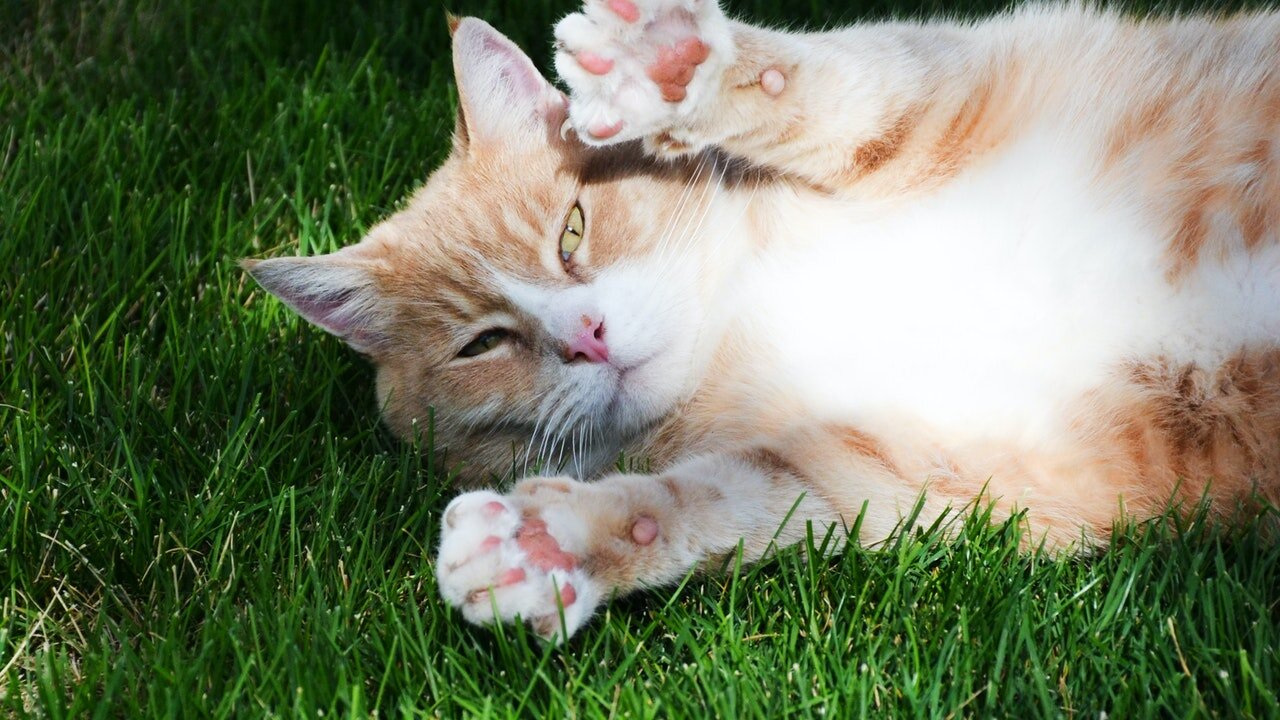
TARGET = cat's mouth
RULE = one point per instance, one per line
(631, 368)
(627, 390)
(634, 368)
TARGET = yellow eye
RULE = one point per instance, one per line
(571, 238)
(484, 342)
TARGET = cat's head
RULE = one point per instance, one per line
(541, 296)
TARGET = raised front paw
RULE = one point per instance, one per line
(504, 558)
(641, 68)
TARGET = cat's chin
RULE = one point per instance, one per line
(640, 397)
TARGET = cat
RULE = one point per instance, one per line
(821, 281)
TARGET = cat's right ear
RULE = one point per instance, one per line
(335, 292)
(502, 96)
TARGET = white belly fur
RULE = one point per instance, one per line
(990, 306)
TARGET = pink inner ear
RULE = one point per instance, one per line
(500, 88)
(516, 69)
(336, 293)
(326, 312)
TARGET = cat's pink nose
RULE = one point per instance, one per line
(589, 345)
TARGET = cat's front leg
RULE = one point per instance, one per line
(882, 106)
(557, 546)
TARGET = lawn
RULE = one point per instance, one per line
(202, 517)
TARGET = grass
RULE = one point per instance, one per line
(201, 516)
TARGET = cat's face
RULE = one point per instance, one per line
(539, 296)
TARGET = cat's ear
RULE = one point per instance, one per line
(502, 95)
(336, 292)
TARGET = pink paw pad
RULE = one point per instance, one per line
(511, 577)
(644, 530)
(604, 132)
(593, 63)
(568, 595)
(773, 82)
(543, 550)
(692, 50)
(625, 9)
(674, 68)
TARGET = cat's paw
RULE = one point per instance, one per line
(505, 558)
(641, 68)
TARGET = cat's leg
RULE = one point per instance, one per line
(555, 543)
(831, 108)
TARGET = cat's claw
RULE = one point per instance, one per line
(640, 68)
(502, 559)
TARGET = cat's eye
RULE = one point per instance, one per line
(484, 342)
(571, 236)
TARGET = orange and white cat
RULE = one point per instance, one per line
(1032, 261)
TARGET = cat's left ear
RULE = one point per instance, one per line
(337, 292)
(503, 97)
